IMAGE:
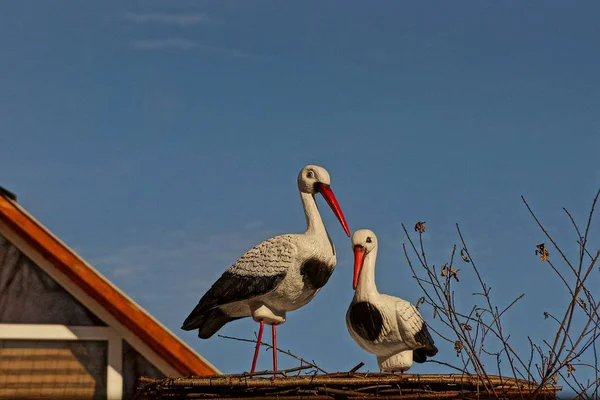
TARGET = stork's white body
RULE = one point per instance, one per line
(394, 345)
(384, 325)
(295, 289)
(278, 275)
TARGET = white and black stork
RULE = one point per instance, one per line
(278, 275)
(387, 326)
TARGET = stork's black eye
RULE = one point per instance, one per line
(369, 239)
(310, 174)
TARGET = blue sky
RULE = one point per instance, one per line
(162, 139)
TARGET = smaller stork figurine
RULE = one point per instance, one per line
(387, 326)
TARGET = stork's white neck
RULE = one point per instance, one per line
(314, 223)
(366, 287)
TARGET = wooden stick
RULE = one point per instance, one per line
(357, 367)
(416, 396)
(316, 380)
(286, 352)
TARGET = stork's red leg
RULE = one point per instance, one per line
(274, 327)
(258, 340)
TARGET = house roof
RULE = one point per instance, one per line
(170, 348)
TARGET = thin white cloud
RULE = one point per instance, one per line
(185, 44)
(163, 44)
(182, 20)
(254, 225)
(226, 51)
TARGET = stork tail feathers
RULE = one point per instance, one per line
(431, 350)
(420, 355)
(207, 323)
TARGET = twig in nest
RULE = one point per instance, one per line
(283, 372)
(357, 367)
(462, 371)
(286, 352)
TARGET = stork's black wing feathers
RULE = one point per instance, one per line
(256, 273)
(413, 328)
(229, 288)
(428, 350)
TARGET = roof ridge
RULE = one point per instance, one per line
(7, 193)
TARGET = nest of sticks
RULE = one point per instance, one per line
(343, 385)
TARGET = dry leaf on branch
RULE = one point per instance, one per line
(458, 346)
(542, 251)
(581, 303)
(570, 369)
(448, 271)
(463, 255)
(420, 227)
(467, 327)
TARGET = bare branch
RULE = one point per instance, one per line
(286, 352)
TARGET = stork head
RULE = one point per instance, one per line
(314, 179)
(364, 241)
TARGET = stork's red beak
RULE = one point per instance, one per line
(327, 193)
(359, 259)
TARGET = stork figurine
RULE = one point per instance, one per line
(387, 326)
(278, 275)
